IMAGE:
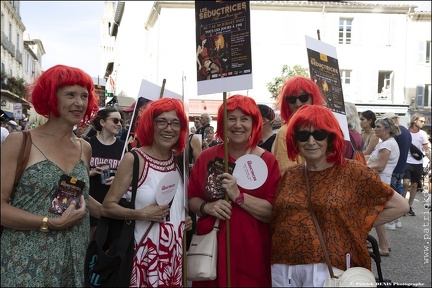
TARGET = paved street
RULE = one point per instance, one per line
(410, 259)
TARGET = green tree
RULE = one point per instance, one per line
(275, 86)
(16, 86)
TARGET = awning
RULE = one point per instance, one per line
(379, 109)
(7, 114)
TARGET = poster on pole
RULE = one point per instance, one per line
(223, 41)
(324, 71)
(148, 92)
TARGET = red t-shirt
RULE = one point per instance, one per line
(250, 237)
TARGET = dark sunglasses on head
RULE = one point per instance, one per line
(318, 135)
(293, 99)
(116, 120)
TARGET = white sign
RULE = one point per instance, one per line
(167, 188)
(17, 110)
(250, 171)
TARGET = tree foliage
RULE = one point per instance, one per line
(275, 86)
(13, 84)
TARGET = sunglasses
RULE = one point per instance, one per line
(116, 120)
(318, 135)
(293, 99)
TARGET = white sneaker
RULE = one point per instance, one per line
(390, 226)
(398, 223)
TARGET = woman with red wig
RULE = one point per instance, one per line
(42, 248)
(162, 131)
(249, 208)
(347, 197)
(296, 92)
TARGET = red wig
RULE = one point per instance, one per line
(249, 107)
(153, 109)
(322, 119)
(293, 86)
(43, 92)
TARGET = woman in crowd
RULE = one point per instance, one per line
(248, 210)
(162, 130)
(296, 92)
(367, 123)
(107, 150)
(40, 248)
(354, 131)
(268, 136)
(383, 159)
(347, 197)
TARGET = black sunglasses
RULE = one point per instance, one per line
(293, 99)
(116, 120)
(318, 135)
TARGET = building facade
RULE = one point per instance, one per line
(382, 49)
(21, 56)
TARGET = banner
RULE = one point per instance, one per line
(223, 56)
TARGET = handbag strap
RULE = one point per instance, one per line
(146, 233)
(135, 177)
(216, 225)
(318, 229)
(23, 156)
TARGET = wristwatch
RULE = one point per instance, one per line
(44, 227)
(240, 199)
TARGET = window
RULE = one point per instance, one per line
(385, 84)
(345, 26)
(345, 77)
(10, 32)
(27, 62)
(423, 96)
(428, 51)
(17, 41)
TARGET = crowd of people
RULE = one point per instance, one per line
(307, 165)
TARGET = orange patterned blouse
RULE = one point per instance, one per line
(346, 199)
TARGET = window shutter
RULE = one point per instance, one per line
(419, 97)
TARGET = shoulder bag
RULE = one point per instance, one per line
(352, 277)
(416, 152)
(109, 256)
(202, 256)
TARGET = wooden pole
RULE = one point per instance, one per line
(162, 89)
(227, 222)
(184, 270)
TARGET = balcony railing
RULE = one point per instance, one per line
(18, 56)
(4, 40)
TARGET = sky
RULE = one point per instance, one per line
(70, 31)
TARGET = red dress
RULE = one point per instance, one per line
(250, 241)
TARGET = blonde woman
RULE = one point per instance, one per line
(384, 159)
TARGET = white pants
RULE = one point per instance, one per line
(305, 275)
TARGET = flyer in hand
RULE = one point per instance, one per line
(68, 189)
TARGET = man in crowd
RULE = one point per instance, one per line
(205, 120)
(414, 167)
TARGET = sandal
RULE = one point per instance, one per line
(384, 254)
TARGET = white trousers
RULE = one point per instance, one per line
(305, 275)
